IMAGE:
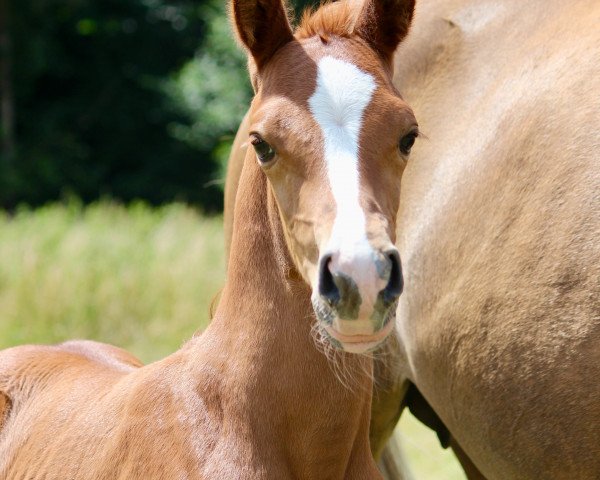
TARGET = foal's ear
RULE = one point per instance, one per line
(262, 26)
(384, 23)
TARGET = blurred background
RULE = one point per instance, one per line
(124, 99)
(116, 120)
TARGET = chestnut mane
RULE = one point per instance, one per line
(331, 18)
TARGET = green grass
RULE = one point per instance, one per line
(139, 278)
(426, 458)
(136, 277)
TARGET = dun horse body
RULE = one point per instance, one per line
(253, 397)
(499, 228)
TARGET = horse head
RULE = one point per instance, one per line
(332, 135)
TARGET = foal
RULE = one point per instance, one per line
(312, 251)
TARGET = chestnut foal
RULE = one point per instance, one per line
(312, 255)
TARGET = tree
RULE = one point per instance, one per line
(6, 89)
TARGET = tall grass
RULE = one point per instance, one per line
(136, 277)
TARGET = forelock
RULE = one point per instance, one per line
(331, 19)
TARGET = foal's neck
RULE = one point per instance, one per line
(282, 389)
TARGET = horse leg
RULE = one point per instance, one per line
(423, 411)
(389, 388)
(470, 469)
(392, 464)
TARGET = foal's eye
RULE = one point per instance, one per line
(264, 151)
(407, 141)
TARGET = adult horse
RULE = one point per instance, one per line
(499, 326)
(252, 398)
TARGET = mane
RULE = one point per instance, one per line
(330, 19)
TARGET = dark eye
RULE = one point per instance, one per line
(407, 141)
(264, 151)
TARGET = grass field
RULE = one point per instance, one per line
(137, 277)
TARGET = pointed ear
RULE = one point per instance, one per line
(262, 26)
(384, 23)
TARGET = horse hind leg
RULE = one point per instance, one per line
(468, 466)
(393, 464)
(419, 407)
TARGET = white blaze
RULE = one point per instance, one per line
(342, 94)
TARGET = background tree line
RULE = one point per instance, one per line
(128, 99)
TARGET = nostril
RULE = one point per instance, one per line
(395, 283)
(327, 287)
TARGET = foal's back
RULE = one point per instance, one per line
(86, 410)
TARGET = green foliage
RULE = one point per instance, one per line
(92, 118)
(212, 90)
